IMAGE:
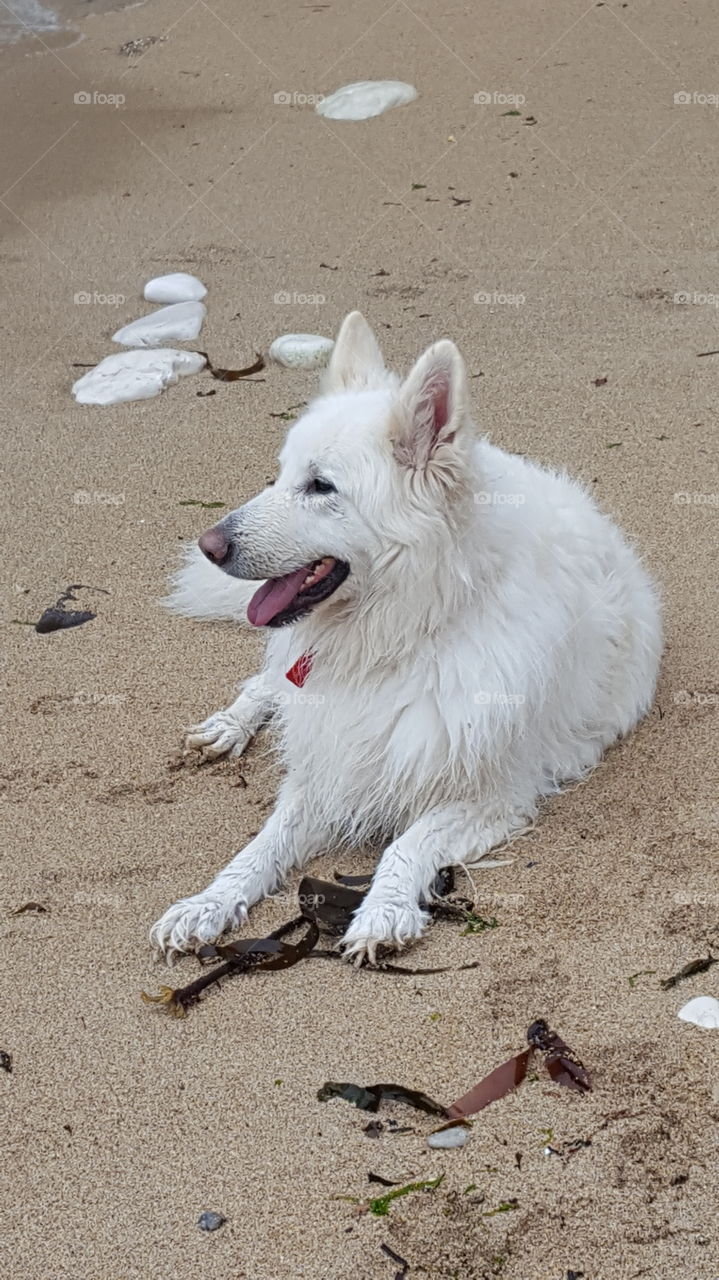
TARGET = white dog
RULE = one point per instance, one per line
(468, 633)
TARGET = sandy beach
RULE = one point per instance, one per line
(549, 202)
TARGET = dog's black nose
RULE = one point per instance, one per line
(214, 544)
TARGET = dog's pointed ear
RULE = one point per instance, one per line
(356, 362)
(433, 406)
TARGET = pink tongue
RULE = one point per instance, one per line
(274, 596)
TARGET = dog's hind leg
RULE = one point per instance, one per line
(288, 839)
(234, 728)
(390, 914)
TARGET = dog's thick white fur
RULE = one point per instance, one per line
(494, 635)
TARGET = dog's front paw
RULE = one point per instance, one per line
(192, 922)
(217, 735)
(382, 924)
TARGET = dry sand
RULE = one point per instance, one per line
(121, 1125)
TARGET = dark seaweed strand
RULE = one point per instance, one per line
(181, 998)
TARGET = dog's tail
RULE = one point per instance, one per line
(201, 590)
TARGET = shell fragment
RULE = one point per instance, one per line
(702, 1010)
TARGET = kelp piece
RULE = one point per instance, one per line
(562, 1064)
(234, 375)
(688, 971)
(247, 956)
(327, 904)
(57, 617)
(496, 1085)
(397, 1258)
(368, 1097)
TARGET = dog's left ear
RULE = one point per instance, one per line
(433, 406)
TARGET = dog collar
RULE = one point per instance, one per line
(300, 670)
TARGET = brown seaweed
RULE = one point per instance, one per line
(397, 1258)
(233, 375)
(247, 956)
(496, 1085)
(328, 904)
(688, 971)
(368, 1097)
(562, 1064)
(57, 617)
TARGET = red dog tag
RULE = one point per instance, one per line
(298, 673)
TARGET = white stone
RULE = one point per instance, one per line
(135, 375)
(179, 323)
(449, 1137)
(703, 1010)
(176, 287)
(301, 350)
(366, 98)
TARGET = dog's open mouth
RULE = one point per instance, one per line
(285, 599)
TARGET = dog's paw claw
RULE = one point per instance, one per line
(216, 736)
(383, 925)
(191, 922)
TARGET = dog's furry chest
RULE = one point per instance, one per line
(366, 753)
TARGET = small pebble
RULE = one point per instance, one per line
(209, 1221)
(450, 1136)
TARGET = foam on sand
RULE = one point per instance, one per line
(301, 350)
(366, 98)
(176, 287)
(179, 323)
(135, 375)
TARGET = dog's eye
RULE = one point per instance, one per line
(318, 485)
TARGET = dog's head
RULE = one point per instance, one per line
(372, 472)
